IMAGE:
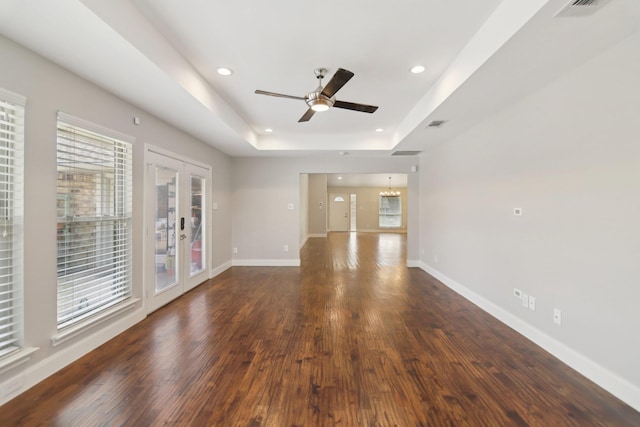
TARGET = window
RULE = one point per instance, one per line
(390, 214)
(94, 219)
(11, 178)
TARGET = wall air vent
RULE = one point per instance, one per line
(578, 8)
(436, 123)
(405, 153)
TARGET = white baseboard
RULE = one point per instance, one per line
(318, 235)
(219, 269)
(266, 262)
(50, 365)
(413, 263)
(614, 384)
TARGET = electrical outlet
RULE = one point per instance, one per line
(235, 250)
(517, 211)
(435, 258)
(286, 248)
(525, 300)
(517, 293)
(532, 303)
(557, 316)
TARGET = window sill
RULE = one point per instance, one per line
(16, 359)
(73, 331)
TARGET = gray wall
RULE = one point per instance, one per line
(49, 88)
(569, 156)
(304, 208)
(318, 204)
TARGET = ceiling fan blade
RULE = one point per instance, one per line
(356, 107)
(279, 95)
(339, 79)
(306, 116)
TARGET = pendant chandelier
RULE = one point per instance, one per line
(389, 193)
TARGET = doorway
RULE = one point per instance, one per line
(338, 212)
(176, 221)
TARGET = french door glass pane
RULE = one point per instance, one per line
(197, 244)
(165, 227)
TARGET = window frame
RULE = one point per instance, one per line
(12, 124)
(383, 212)
(94, 265)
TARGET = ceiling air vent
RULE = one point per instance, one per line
(436, 123)
(405, 153)
(581, 7)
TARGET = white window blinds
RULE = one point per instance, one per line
(11, 210)
(94, 219)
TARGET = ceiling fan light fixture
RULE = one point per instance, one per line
(319, 106)
(318, 102)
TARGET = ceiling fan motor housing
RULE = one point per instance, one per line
(319, 102)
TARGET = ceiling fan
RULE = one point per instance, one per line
(323, 98)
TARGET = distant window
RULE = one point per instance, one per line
(339, 199)
(390, 214)
(11, 178)
(94, 219)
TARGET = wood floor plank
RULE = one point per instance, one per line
(350, 338)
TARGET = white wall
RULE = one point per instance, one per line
(49, 88)
(569, 156)
(263, 188)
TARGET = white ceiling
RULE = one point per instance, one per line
(161, 55)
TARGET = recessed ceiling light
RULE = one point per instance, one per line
(223, 71)
(339, 177)
(379, 130)
(418, 69)
(268, 130)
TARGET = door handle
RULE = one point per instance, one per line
(183, 236)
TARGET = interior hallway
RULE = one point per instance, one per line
(350, 338)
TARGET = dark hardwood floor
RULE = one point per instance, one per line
(351, 338)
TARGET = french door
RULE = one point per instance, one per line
(176, 228)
